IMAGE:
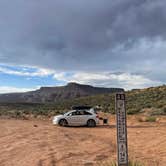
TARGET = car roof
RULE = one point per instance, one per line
(81, 107)
(78, 110)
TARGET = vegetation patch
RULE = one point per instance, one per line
(147, 119)
(150, 119)
(137, 101)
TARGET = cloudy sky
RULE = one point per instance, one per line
(108, 43)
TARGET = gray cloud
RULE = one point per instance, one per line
(122, 35)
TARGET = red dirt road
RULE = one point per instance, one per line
(39, 143)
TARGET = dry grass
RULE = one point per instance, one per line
(147, 119)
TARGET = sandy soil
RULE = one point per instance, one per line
(39, 143)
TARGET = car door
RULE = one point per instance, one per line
(86, 116)
(73, 118)
(77, 118)
(81, 119)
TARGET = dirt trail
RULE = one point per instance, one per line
(38, 143)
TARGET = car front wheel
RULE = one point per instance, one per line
(63, 122)
(91, 123)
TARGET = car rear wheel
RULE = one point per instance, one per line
(63, 122)
(91, 123)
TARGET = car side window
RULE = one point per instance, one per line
(87, 113)
(81, 112)
(75, 113)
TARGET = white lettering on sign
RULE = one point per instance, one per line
(121, 130)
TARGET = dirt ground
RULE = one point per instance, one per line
(39, 143)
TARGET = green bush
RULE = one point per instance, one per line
(150, 119)
(132, 111)
(147, 119)
(159, 111)
(164, 110)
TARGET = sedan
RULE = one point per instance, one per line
(77, 118)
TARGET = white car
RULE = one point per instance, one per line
(77, 118)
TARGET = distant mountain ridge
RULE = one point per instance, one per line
(55, 94)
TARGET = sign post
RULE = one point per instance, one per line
(122, 148)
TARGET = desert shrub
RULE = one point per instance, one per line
(159, 111)
(132, 111)
(148, 105)
(164, 110)
(150, 119)
(112, 111)
(141, 119)
(159, 105)
(147, 119)
(18, 114)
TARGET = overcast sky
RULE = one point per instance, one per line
(108, 43)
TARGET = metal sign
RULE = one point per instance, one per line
(121, 129)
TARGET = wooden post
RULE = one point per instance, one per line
(121, 124)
